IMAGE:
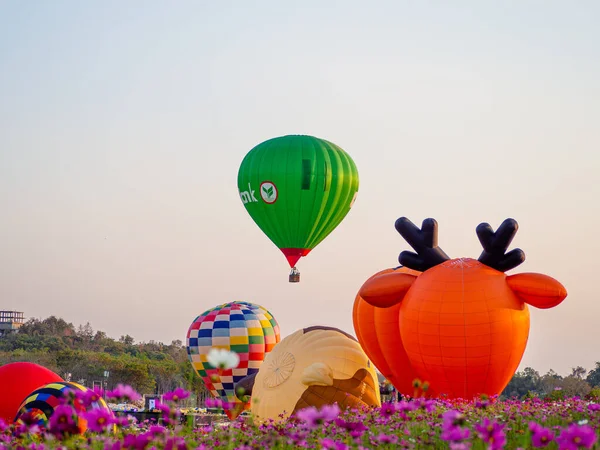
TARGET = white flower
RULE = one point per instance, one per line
(222, 359)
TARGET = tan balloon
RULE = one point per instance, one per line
(312, 367)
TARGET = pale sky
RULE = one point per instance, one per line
(123, 125)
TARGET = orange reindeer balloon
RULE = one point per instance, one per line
(377, 331)
(463, 323)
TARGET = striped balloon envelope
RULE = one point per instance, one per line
(41, 403)
(297, 189)
(244, 328)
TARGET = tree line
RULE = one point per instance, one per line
(156, 368)
(580, 382)
(84, 355)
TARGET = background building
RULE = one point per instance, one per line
(10, 321)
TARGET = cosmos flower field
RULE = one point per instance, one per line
(416, 423)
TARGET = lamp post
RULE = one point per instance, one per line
(106, 375)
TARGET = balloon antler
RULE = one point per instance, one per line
(424, 241)
(495, 245)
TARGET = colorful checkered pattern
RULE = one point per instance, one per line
(245, 328)
(41, 402)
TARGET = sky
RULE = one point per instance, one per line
(123, 125)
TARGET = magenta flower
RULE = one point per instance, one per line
(63, 421)
(34, 446)
(356, 429)
(540, 436)
(452, 424)
(387, 409)
(218, 403)
(176, 395)
(492, 433)
(157, 431)
(98, 419)
(577, 436)
(383, 438)
(122, 392)
(312, 417)
(405, 407)
(331, 444)
(89, 397)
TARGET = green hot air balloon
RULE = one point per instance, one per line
(297, 189)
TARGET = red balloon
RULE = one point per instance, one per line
(17, 381)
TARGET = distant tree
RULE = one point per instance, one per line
(51, 326)
(127, 340)
(522, 383)
(593, 377)
(85, 331)
(578, 372)
(550, 381)
(575, 386)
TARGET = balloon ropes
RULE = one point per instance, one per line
(297, 189)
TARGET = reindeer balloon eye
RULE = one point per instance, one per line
(462, 323)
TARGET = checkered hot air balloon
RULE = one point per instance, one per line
(40, 404)
(245, 328)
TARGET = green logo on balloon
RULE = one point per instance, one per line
(268, 192)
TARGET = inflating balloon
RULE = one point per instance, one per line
(41, 403)
(314, 366)
(244, 328)
(16, 381)
(297, 189)
(464, 323)
(377, 331)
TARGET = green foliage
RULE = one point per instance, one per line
(593, 376)
(529, 383)
(556, 395)
(594, 394)
(150, 368)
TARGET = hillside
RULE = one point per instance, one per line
(85, 354)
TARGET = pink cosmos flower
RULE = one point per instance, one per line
(331, 444)
(405, 407)
(577, 436)
(387, 409)
(63, 421)
(124, 392)
(312, 417)
(492, 433)
(157, 430)
(34, 446)
(98, 419)
(540, 436)
(452, 430)
(383, 438)
(176, 395)
(356, 429)
(90, 396)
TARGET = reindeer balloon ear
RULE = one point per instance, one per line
(538, 290)
(535, 289)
